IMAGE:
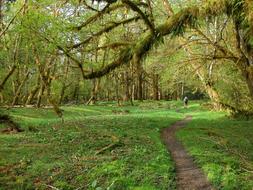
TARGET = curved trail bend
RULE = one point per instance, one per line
(188, 175)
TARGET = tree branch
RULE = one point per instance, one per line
(184, 18)
(104, 11)
(135, 8)
(106, 29)
(7, 77)
(98, 15)
(11, 21)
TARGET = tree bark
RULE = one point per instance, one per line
(247, 72)
(7, 77)
(212, 93)
(40, 95)
(245, 63)
(94, 92)
(126, 85)
(168, 7)
(18, 91)
(117, 90)
(46, 79)
(139, 73)
(33, 93)
(155, 84)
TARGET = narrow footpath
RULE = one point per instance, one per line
(188, 175)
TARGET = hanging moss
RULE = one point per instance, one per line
(177, 24)
(124, 57)
(214, 7)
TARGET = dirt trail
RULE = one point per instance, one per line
(188, 175)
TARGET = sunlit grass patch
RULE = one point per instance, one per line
(112, 147)
(222, 147)
(75, 154)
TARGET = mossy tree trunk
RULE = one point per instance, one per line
(139, 76)
(33, 92)
(126, 85)
(18, 91)
(155, 86)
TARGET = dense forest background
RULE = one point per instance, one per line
(77, 51)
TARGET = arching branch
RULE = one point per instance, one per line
(108, 9)
(135, 8)
(11, 21)
(96, 16)
(104, 30)
(174, 25)
(145, 43)
(7, 77)
(125, 57)
(88, 6)
(114, 45)
(168, 7)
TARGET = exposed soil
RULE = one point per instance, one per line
(188, 175)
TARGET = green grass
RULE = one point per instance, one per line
(223, 147)
(49, 152)
(64, 155)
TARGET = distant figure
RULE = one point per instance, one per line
(186, 101)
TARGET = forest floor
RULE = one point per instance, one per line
(110, 147)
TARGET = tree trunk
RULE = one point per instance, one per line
(139, 72)
(117, 92)
(249, 79)
(126, 86)
(18, 91)
(46, 81)
(33, 92)
(40, 95)
(64, 87)
(13, 68)
(182, 90)
(214, 96)
(140, 87)
(44, 72)
(212, 93)
(155, 86)
(133, 92)
(94, 92)
(168, 8)
(247, 72)
(246, 62)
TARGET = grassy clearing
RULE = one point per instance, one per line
(64, 155)
(223, 147)
(108, 147)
